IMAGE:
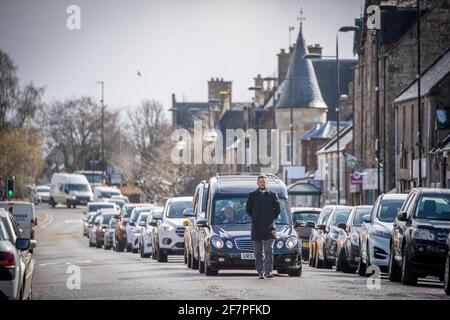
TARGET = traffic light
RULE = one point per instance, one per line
(10, 187)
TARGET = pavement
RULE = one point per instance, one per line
(67, 268)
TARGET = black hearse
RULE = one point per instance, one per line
(224, 234)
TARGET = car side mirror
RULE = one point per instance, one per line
(131, 223)
(153, 223)
(311, 224)
(203, 223)
(342, 226)
(189, 212)
(367, 218)
(321, 227)
(402, 216)
(23, 244)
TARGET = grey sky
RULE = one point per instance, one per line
(176, 44)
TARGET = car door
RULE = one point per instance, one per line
(402, 226)
(365, 229)
(203, 232)
(27, 261)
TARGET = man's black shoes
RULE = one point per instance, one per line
(260, 275)
(268, 275)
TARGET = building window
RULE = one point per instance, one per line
(287, 148)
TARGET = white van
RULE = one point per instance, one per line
(23, 213)
(70, 189)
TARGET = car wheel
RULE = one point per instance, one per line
(447, 275)
(344, 265)
(208, 270)
(68, 204)
(52, 203)
(318, 263)
(361, 265)
(194, 262)
(161, 257)
(201, 265)
(312, 258)
(395, 273)
(408, 276)
(337, 262)
(98, 245)
(74, 206)
(326, 263)
(135, 250)
(368, 263)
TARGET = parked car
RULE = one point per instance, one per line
(332, 232)
(141, 226)
(121, 197)
(447, 267)
(105, 193)
(191, 245)
(169, 236)
(419, 236)
(102, 225)
(88, 221)
(109, 235)
(131, 227)
(93, 207)
(226, 244)
(316, 233)
(146, 248)
(375, 235)
(120, 235)
(24, 215)
(16, 260)
(118, 202)
(70, 189)
(301, 215)
(347, 249)
(41, 194)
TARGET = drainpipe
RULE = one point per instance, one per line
(397, 187)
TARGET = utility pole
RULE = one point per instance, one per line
(102, 85)
(377, 111)
(419, 102)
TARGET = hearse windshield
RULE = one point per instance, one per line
(231, 210)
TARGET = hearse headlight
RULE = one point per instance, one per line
(229, 244)
(291, 242)
(422, 234)
(280, 244)
(217, 242)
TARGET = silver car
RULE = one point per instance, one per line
(16, 260)
(375, 232)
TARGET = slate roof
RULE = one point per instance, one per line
(430, 78)
(323, 131)
(345, 137)
(300, 89)
(183, 117)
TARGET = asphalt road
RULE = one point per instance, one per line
(62, 251)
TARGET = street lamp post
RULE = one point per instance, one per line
(419, 102)
(102, 85)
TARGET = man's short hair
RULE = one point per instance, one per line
(263, 176)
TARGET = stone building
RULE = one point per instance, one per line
(397, 44)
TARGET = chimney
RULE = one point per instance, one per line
(218, 89)
(315, 49)
(283, 63)
(259, 94)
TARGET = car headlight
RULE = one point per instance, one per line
(422, 234)
(280, 244)
(74, 197)
(354, 240)
(168, 228)
(381, 233)
(291, 242)
(229, 244)
(217, 242)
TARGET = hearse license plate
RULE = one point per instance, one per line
(248, 256)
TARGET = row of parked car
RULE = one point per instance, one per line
(211, 229)
(405, 235)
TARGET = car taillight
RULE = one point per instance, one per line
(7, 259)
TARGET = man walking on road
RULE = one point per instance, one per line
(263, 206)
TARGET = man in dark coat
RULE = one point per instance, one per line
(263, 206)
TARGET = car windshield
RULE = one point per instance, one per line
(232, 210)
(360, 213)
(306, 216)
(175, 209)
(387, 211)
(78, 187)
(95, 207)
(109, 194)
(107, 218)
(325, 215)
(341, 216)
(433, 207)
(139, 212)
(128, 211)
(43, 189)
(143, 217)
